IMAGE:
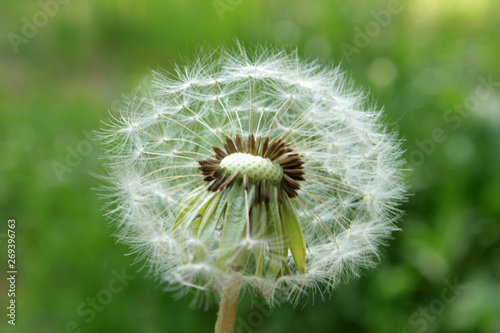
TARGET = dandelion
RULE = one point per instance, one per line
(255, 171)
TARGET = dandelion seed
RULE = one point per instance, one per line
(253, 170)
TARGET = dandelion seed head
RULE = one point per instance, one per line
(254, 162)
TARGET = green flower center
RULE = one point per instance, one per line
(255, 167)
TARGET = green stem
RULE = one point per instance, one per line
(228, 308)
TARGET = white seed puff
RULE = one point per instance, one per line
(253, 162)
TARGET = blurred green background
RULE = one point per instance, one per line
(428, 63)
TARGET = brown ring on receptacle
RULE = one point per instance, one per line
(278, 152)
